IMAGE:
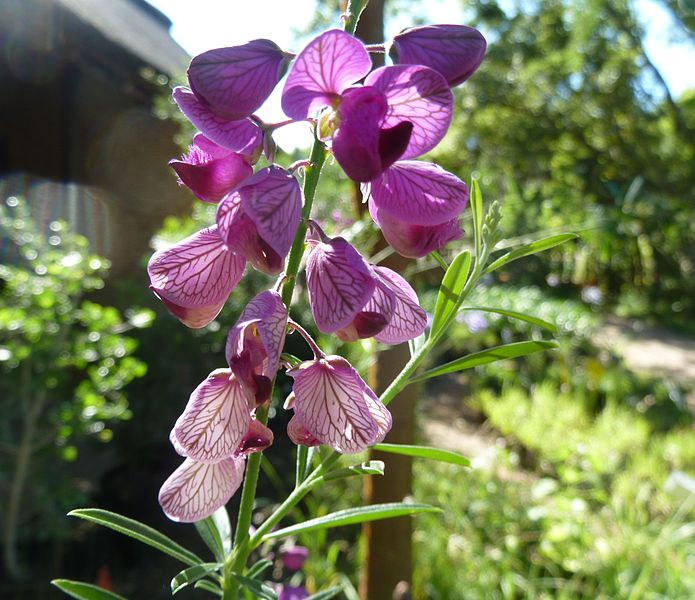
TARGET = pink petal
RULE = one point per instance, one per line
(242, 136)
(195, 318)
(300, 434)
(198, 272)
(215, 419)
(373, 318)
(330, 403)
(419, 95)
(414, 241)
(196, 490)
(257, 438)
(328, 65)
(235, 81)
(408, 320)
(273, 201)
(380, 414)
(339, 282)
(267, 314)
(455, 51)
(420, 193)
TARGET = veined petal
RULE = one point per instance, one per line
(273, 201)
(419, 95)
(267, 315)
(340, 284)
(236, 81)
(242, 136)
(195, 318)
(299, 434)
(196, 490)
(257, 438)
(380, 414)
(330, 403)
(414, 241)
(328, 65)
(241, 236)
(198, 272)
(420, 193)
(374, 316)
(215, 419)
(408, 320)
(455, 51)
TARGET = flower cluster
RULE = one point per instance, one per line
(376, 122)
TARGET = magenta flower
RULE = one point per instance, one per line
(334, 406)
(417, 205)
(234, 82)
(399, 112)
(255, 343)
(209, 170)
(259, 218)
(197, 489)
(292, 592)
(455, 51)
(357, 300)
(195, 277)
(294, 557)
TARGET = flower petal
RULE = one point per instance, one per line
(195, 318)
(419, 95)
(328, 65)
(196, 490)
(267, 313)
(373, 318)
(242, 136)
(340, 284)
(330, 403)
(236, 81)
(299, 434)
(198, 272)
(215, 419)
(408, 320)
(380, 414)
(257, 438)
(420, 193)
(455, 51)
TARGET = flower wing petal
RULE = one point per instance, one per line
(420, 96)
(408, 320)
(329, 64)
(215, 419)
(420, 193)
(242, 135)
(196, 490)
(235, 81)
(330, 404)
(340, 284)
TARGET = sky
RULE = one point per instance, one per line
(205, 24)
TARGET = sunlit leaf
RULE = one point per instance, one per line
(257, 568)
(531, 248)
(191, 575)
(450, 290)
(516, 315)
(351, 516)
(84, 591)
(208, 586)
(373, 467)
(476, 201)
(216, 532)
(484, 357)
(138, 531)
(438, 454)
(326, 594)
(261, 590)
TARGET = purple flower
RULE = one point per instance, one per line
(334, 406)
(209, 170)
(197, 489)
(255, 342)
(259, 218)
(357, 300)
(399, 112)
(294, 557)
(292, 592)
(455, 51)
(234, 82)
(195, 277)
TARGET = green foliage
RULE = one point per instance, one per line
(64, 364)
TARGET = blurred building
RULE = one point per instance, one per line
(78, 135)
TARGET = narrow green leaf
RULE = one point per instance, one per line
(373, 467)
(512, 314)
(529, 249)
(351, 516)
(257, 568)
(191, 575)
(450, 290)
(139, 531)
(476, 200)
(326, 594)
(484, 357)
(438, 454)
(208, 586)
(84, 591)
(261, 590)
(216, 532)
